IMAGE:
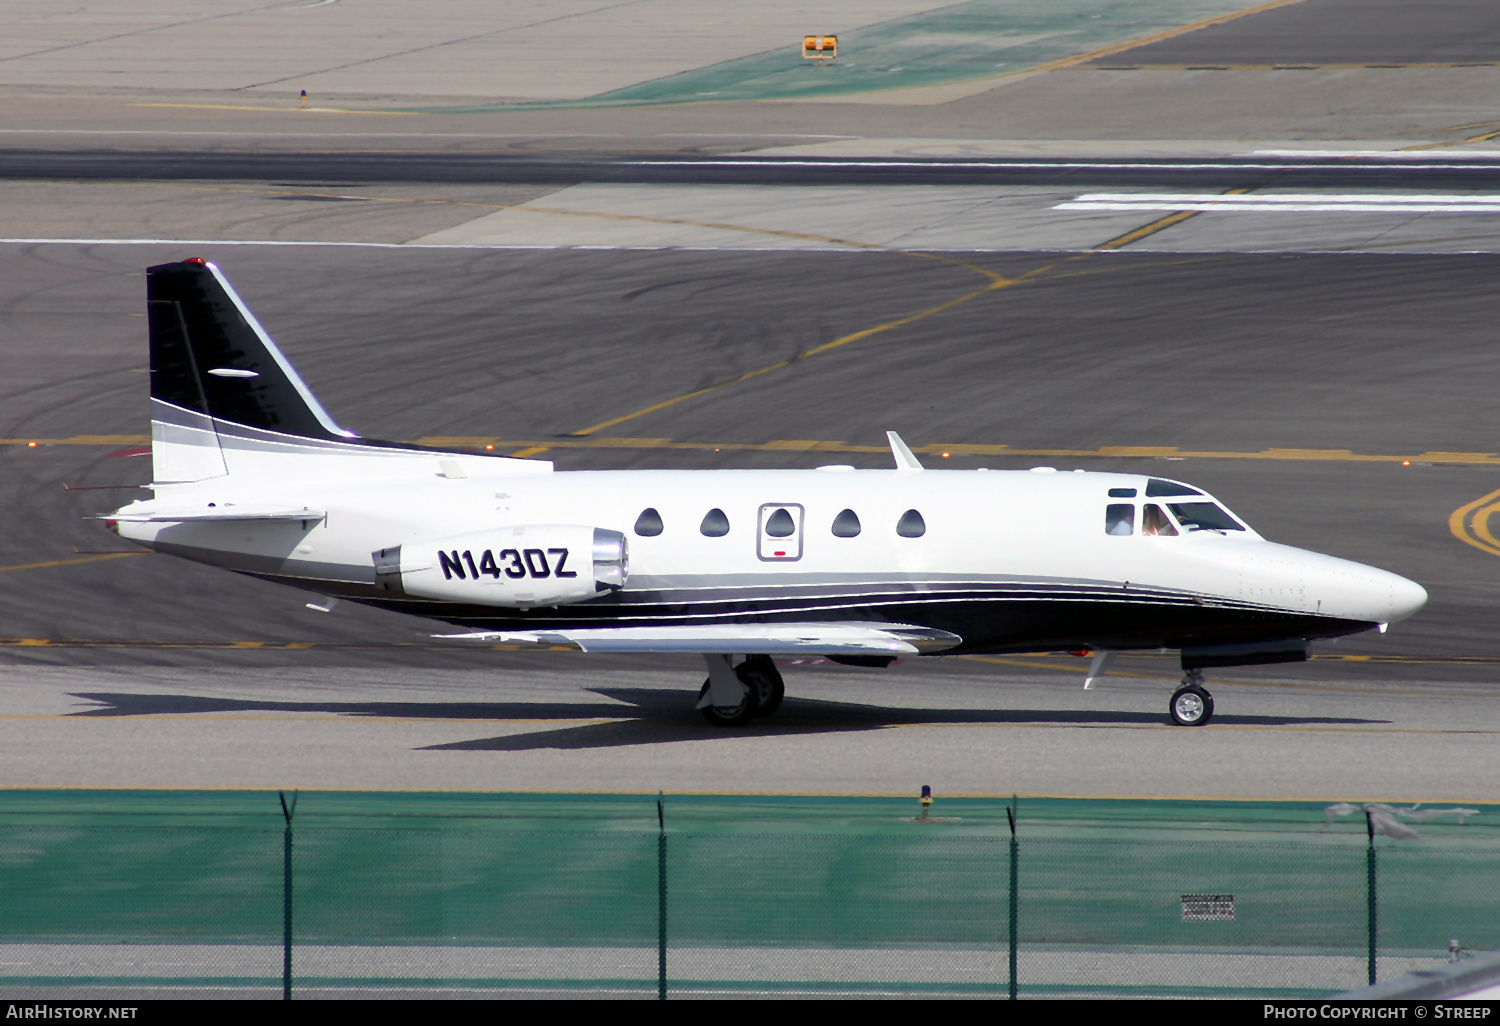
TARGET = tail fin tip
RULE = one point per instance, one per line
(210, 356)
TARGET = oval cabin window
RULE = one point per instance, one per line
(715, 524)
(648, 524)
(911, 525)
(780, 524)
(846, 524)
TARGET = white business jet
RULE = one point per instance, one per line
(860, 566)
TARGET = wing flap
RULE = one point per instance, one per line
(228, 511)
(762, 639)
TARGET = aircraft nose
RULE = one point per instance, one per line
(1376, 595)
(1406, 597)
(1322, 584)
(1355, 591)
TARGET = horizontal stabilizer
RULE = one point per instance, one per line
(228, 511)
(761, 639)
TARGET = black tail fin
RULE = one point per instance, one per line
(211, 357)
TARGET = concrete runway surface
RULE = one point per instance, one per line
(990, 72)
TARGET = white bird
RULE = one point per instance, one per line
(1382, 823)
(1383, 817)
(1426, 814)
(1336, 809)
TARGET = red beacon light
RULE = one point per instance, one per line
(197, 261)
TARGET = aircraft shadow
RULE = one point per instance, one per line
(812, 716)
(126, 704)
(646, 716)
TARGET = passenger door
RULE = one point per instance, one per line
(779, 532)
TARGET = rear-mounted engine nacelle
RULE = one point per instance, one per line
(546, 565)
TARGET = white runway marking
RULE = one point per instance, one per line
(1347, 203)
(1377, 154)
(403, 245)
(433, 135)
(1035, 164)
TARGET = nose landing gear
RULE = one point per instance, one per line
(1191, 705)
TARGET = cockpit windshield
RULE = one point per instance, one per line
(1156, 488)
(1203, 516)
(1166, 519)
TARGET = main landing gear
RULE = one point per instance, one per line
(733, 696)
(1192, 705)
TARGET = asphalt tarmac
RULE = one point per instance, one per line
(1349, 32)
(1246, 172)
(1310, 387)
(1336, 400)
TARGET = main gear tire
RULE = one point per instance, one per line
(761, 675)
(730, 715)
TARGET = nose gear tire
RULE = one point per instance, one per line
(1191, 706)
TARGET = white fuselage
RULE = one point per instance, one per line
(1019, 550)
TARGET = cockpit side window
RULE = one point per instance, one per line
(1203, 516)
(1155, 522)
(1119, 518)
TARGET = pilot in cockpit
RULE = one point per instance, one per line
(1155, 522)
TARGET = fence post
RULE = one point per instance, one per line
(286, 896)
(1010, 814)
(661, 901)
(1370, 890)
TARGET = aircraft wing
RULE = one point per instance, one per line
(762, 639)
(228, 511)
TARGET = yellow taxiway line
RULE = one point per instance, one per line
(687, 793)
(1290, 67)
(1158, 225)
(94, 558)
(354, 717)
(996, 282)
(1025, 660)
(279, 110)
(1171, 452)
(1470, 523)
(1156, 37)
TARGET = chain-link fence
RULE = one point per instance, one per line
(338, 894)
